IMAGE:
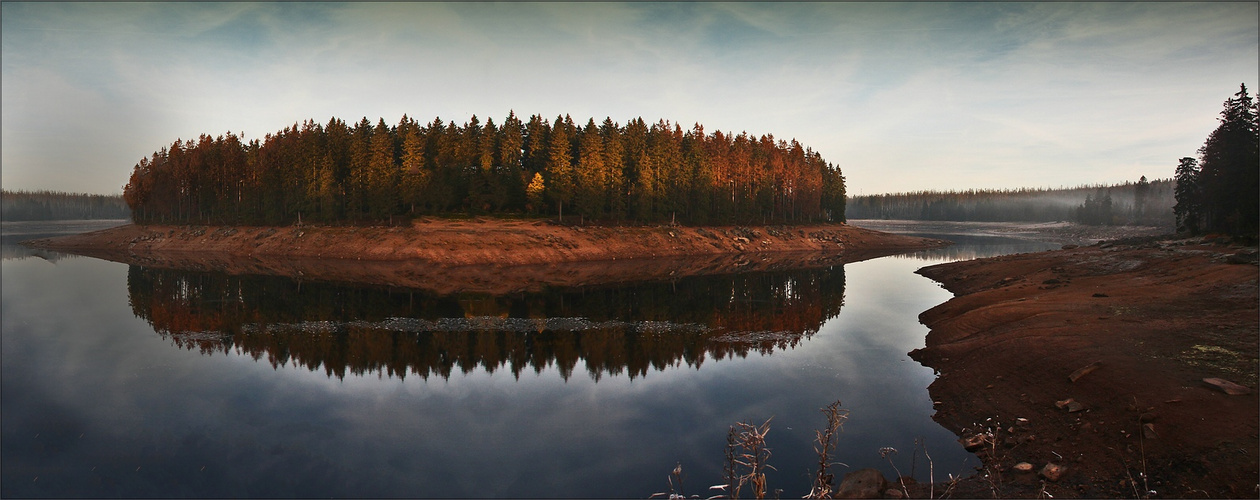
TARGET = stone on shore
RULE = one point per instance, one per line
(863, 483)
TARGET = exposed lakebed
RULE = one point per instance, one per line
(130, 381)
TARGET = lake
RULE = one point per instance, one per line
(125, 381)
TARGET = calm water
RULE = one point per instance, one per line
(125, 381)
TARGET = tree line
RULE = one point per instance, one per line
(57, 205)
(365, 173)
(1219, 191)
(1142, 202)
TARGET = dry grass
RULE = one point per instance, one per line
(826, 442)
(748, 454)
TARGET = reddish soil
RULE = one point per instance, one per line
(484, 255)
(1158, 317)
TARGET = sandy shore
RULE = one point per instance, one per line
(1093, 360)
(484, 255)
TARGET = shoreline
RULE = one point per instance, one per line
(1093, 359)
(484, 255)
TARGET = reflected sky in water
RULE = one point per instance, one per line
(99, 402)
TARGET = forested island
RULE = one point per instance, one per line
(57, 205)
(372, 174)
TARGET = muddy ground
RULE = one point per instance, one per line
(1093, 360)
(484, 255)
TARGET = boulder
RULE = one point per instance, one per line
(863, 483)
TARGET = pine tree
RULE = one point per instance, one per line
(511, 182)
(1140, 192)
(383, 174)
(614, 169)
(1189, 195)
(589, 189)
(414, 173)
(1229, 170)
(559, 167)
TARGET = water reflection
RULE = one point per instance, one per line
(609, 330)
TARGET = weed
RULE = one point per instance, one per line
(675, 479)
(826, 440)
(889, 451)
(748, 449)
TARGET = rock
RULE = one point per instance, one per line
(893, 493)
(1227, 387)
(1148, 431)
(1101, 295)
(1069, 247)
(1070, 404)
(863, 483)
(1147, 417)
(1051, 281)
(1024, 467)
(1052, 472)
(1240, 259)
(973, 443)
(1084, 370)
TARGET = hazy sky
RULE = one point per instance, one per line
(900, 96)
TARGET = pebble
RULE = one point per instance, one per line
(1052, 472)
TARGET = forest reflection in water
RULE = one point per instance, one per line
(609, 330)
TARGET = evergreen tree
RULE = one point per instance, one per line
(511, 183)
(614, 169)
(414, 175)
(1229, 170)
(383, 174)
(559, 167)
(1189, 195)
(590, 182)
(534, 193)
(1140, 191)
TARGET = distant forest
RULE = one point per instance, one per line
(365, 173)
(1142, 203)
(55, 205)
(1219, 191)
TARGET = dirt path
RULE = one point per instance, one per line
(1093, 359)
(484, 255)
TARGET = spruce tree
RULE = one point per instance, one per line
(1188, 194)
(589, 188)
(1229, 170)
(559, 167)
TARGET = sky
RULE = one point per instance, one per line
(902, 97)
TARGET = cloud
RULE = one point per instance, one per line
(910, 88)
